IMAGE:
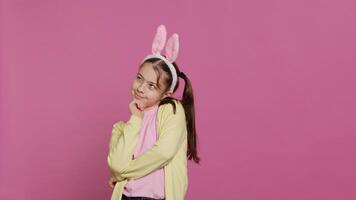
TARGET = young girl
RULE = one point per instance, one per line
(148, 153)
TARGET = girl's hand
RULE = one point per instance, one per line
(136, 108)
(112, 181)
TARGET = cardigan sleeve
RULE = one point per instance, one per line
(172, 134)
(122, 143)
(116, 133)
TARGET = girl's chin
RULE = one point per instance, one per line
(140, 102)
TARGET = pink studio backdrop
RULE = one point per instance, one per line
(274, 83)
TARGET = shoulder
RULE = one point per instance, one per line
(170, 119)
(173, 111)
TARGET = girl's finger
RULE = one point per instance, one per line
(138, 106)
(111, 184)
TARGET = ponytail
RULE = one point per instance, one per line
(188, 104)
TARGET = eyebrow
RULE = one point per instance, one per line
(147, 81)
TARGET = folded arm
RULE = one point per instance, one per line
(173, 133)
(122, 143)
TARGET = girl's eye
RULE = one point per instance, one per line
(152, 86)
(138, 77)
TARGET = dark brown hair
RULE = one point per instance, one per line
(187, 102)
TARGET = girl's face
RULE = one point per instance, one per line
(144, 87)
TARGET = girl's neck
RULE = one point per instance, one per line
(150, 108)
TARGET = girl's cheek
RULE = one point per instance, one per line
(142, 104)
(135, 84)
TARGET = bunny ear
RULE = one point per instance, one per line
(159, 39)
(172, 47)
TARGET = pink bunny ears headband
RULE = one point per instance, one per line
(171, 51)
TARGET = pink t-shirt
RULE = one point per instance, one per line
(151, 185)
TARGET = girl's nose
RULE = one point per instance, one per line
(140, 88)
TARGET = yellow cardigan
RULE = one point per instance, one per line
(169, 152)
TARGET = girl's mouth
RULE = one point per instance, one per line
(138, 97)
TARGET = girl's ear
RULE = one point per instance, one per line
(167, 94)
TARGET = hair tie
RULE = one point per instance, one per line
(181, 74)
(171, 51)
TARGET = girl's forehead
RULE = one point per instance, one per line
(148, 72)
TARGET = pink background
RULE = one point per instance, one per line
(274, 83)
